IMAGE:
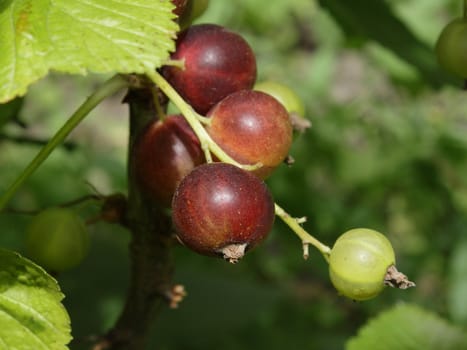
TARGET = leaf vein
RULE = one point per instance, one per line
(103, 36)
(31, 310)
(26, 329)
(125, 15)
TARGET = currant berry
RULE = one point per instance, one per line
(451, 47)
(164, 153)
(284, 94)
(57, 239)
(217, 61)
(252, 127)
(222, 210)
(359, 262)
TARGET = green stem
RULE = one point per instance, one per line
(306, 238)
(110, 87)
(465, 9)
(194, 120)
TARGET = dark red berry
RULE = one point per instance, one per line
(218, 62)
(163, 154)
(252, 127)
(222, 210)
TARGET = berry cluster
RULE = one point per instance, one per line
(208, 164)
(218, 208)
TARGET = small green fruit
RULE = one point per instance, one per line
(284, 94)
(451, 47)
(359, 262)
(57, 239)
(193, 10)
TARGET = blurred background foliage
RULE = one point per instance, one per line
(387, 150)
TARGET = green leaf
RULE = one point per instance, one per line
(408, 327)
(31, 314)
(79, 36)
(375, 20)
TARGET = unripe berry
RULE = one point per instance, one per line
(57, 239)
(284, 94)
(193, 10)
(359, 262)
(451, 47)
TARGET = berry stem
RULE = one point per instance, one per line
(194, 120)
(111, 86)
(175, 63)
(306, 238)
(204, 120)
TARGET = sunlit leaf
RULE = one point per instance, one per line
(408, 327)
(79, 36)
(31, 313)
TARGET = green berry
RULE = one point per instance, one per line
(359, 262)
(451, 47)
(57, 239)
(193, 10)
(284, 94)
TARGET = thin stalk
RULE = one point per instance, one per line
(109, 88)
(306, 238)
